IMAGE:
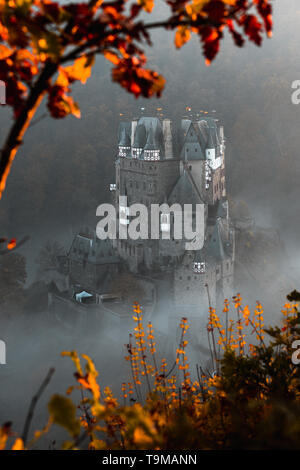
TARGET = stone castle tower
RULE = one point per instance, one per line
(169, 163)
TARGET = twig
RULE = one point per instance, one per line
(34, 403)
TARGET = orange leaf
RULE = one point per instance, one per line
(18, 444)
(112, 57)
(80, 70)
(5, 52)
(147, 5)
(182, 36)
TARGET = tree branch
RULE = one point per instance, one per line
(34, 403)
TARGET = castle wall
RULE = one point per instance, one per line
(190, 291)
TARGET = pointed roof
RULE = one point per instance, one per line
(210, 142)
(124, 126)
(191, 149)
(140, 136)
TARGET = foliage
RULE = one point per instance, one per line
(39, 38)
(250, 399)
(12, 276)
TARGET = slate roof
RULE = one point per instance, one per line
(185, 191)
(190, 138)
(191, 149)
(124, 126)
(151, 144)
(140, 136)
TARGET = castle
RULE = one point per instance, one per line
(168, 163)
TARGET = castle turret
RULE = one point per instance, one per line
(139, 141)
(151, 149)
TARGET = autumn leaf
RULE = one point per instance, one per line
(147, 5)
(11, 244)
(5, 52)
(5, 432)
(140, 437)
(18, 444)
(112, 57)
(182, 36)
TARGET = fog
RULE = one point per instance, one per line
(63, 170)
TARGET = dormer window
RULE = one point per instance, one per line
(199, 268)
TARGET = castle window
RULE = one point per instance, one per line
(136, 152)
(123, 151)
(199, 268)
(165, 222)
